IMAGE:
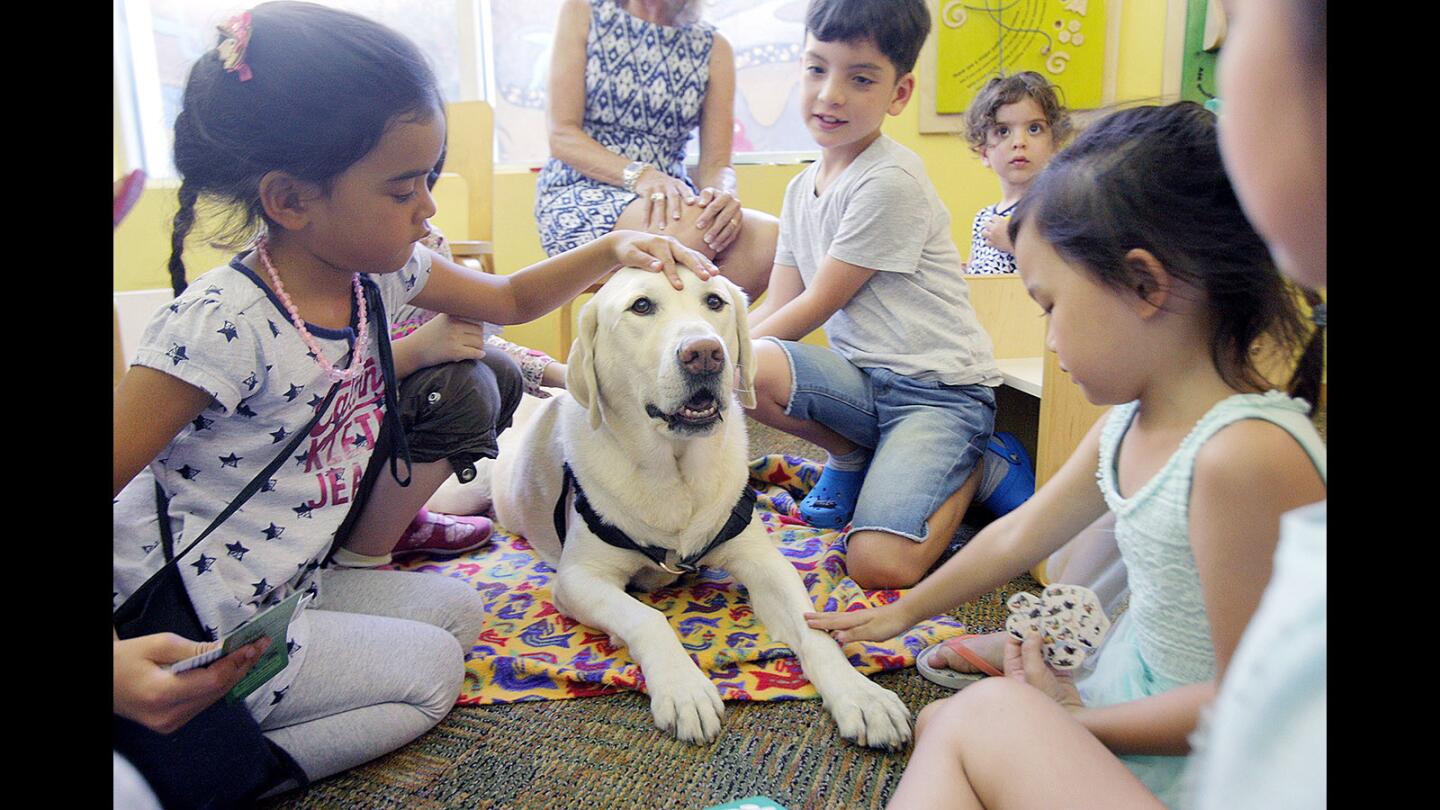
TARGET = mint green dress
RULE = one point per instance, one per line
(1163, 640)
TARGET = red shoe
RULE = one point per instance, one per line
(443, 535)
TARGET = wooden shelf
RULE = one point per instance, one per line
(1025, 374)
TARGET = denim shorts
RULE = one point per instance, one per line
(925, 437)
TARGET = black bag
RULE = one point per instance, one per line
(220, 758)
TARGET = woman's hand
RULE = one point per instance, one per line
(659, 254)
(446, 339)
(721, 219)
(149, 694)
(663, 195)
(1026, 662)
(871, 624)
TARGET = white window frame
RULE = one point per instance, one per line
(142, 110)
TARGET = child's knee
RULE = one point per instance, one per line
(460, 610)
(972, 713)
(772, 377)
(442, 675)
(873, 573)
(489, 388)
(509, 385)
(941, 713)
(473, 400)
(876, 560)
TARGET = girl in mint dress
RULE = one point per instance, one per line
(1162, 301)
(1163, 642)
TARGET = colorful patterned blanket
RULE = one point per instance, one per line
(530, 652)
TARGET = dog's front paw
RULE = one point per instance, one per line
(685, 703)
(870, 715)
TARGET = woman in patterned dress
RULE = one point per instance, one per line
(630, 80)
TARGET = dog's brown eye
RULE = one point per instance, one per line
(642, 306)
(714, 302)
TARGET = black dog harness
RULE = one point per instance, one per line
(740, 517)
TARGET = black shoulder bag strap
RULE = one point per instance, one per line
(392, 386)
(142, 614)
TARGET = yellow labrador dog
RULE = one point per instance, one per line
(656, 443)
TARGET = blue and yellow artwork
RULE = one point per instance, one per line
(1064, 40)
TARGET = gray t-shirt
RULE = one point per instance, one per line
(912, 317)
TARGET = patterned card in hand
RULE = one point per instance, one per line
(1067, 618)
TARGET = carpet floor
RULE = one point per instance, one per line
(606, 752)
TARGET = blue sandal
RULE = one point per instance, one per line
(831, 502)
(1019, 482)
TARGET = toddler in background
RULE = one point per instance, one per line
(1015, 124)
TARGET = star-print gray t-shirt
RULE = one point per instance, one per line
(229, 335)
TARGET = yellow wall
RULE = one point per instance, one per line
(964, 185)
(142, 242)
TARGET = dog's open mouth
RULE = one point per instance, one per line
(702, 409)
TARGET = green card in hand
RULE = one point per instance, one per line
(273, 622)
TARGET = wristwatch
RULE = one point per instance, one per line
(632, 174)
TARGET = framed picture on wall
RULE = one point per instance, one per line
(1074, 43)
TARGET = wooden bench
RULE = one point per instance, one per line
(1017, 330)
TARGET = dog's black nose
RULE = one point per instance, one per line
(701, 355)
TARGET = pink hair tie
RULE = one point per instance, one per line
(232, 48)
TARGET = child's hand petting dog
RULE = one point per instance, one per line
(659, 254)
(870, 624)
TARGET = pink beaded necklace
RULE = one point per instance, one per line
(361, 341)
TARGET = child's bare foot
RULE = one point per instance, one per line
(989, 648)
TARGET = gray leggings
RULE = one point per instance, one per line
(384, 664)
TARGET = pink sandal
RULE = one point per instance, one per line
(949, 677)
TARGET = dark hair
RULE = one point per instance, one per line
(324, 87)
(1151, 178)
(897, 27)
(1003, 90)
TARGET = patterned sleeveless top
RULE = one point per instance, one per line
(644, 89)
(1167, 603)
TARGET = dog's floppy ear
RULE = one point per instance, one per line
(745, 352)
(580, 379)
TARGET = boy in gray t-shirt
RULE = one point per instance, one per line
(904, 400)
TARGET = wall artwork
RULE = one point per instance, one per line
(1063, 40)
(1204, 34)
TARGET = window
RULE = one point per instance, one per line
(156, 42)
(493, 49)
(766, 36)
